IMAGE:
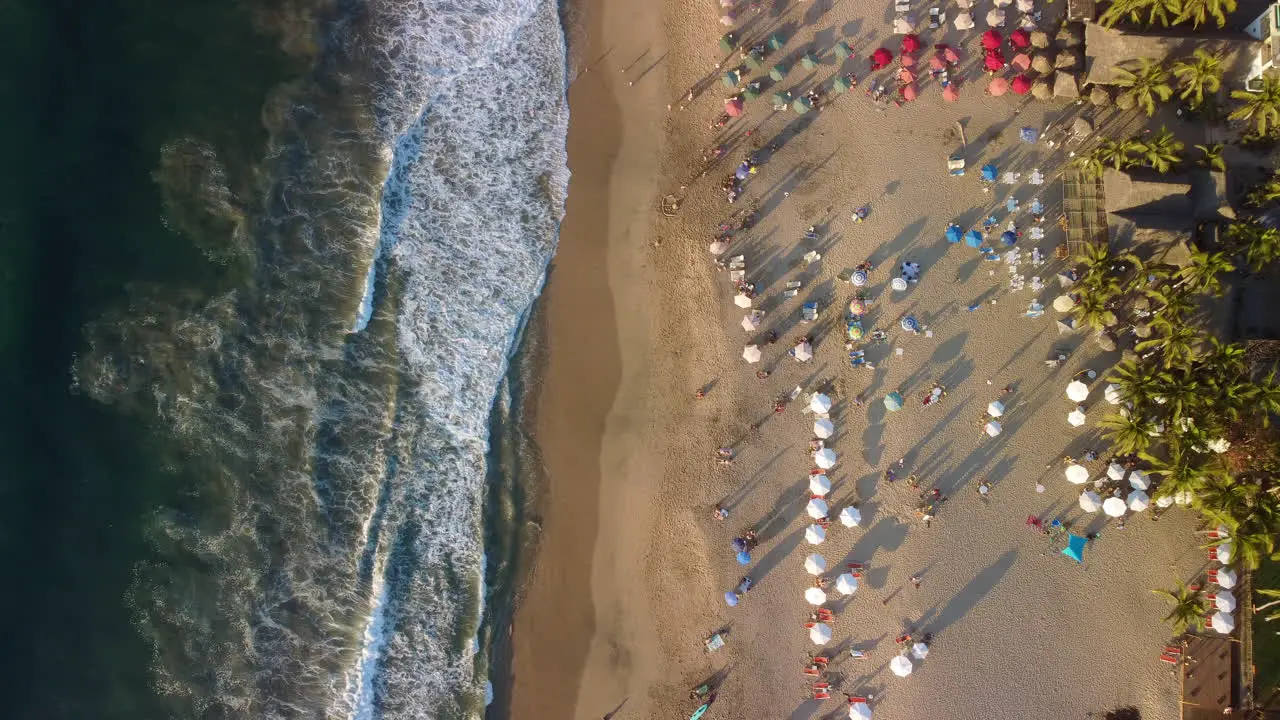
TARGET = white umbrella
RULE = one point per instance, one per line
(903, 24)
(1223, 623)
(726, 19)
(850, 517)
(741, 300)
(1183, 498)
(1001, 3)
(1226, 578)
(1063, 303)
(995, 18)
(823, 428)
(817, 508)
(993, 428)
(820, 404)
(802, 352)
(1139, 501)
(963, 21)
(719, 247)
(859, 711)
(1076, 418)
(815, 564)
(815, 596)
(1112, 394)
(1077, 474)
(1114, 507)
(751, 322)
(847, 584)
(1224, 601)
(825, 458)
(1115, 471)
(1026, 6)
(820, 634)
(1077, 391)
(1139, 480)
(1225, 551)
(819, 484)
(920, 651)
(1164, 501)
(751, 353)
(995, 408)
(1090, 502)
(901, 666)
(815, 534)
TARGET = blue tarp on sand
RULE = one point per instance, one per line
(1075, 548)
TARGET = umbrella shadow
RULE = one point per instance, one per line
(899, 242)
(784, 547)
(963, 602)
(888, 534)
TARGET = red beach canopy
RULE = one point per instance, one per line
(910, 43)
(882, 56)
(1021, 85)
(991, 40)
(909, 92)
(733, 106)
(951, 94)
(1020, 38)
(993, 63)
(998, 86)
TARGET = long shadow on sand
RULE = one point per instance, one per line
(969, 596)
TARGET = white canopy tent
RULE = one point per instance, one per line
(859, 711)
(1226, 578)
(1139, 480)
(920, 651)
(751, 353)
(901, 666)
(1222, 622)
(823, 428)
(815, 596)
(825, 458)
(1224, 601)
(742, 300)
(1115, 471)
(993, 428)
(820, 634)
(819, 484)
(1076, 418)
(1225, 552)
(995, 408)
(820, 404)
(751, 321)
(1138, 501)
(802, 352)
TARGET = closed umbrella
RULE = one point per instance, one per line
(1115, 471)
(1139, 501)
(901, 666)
(820, 634)
(859, 711)
(847, 584)
(850, 516)
(1222, 622)
(820, 404)
(733, 106)
(973, 239)
(995, 408)
(802, 352)
(1077, 391)
(1076, 418)
(742, 300)
(815, 596)
(909, 92)
(893, 401)
(815, 534)
(991, 40)
(819, 484)
(751, 353)
(993, 428)
(823, 428)
(910, 43)
(815, 564)
(1021, 85)
(1090, 502)
(995, 18)
(1225, 601)
(920, 651)
(817, 508)
(1114, 507)
(950, 93)
(825, 458)
(1112, 394)
(751, 322)
(1139, 480)
(953, 234)
(1077, 474)
(1225, 551)
(1226, 578)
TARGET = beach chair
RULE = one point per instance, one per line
(1171, 659)
(813, 671)
(901, 6)
(825, 615)
(936, 18)
(809, 312)
(821, 694)
(858, 654)
(821, 660)
(855, 699)
(903, 640)
(955, 165)
(1213, 576)
(1213, 554)
(1215, 535)
(714, 643)
(793, 289)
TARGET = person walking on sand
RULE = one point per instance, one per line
(915, 581)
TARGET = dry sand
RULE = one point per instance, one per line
(632, 569)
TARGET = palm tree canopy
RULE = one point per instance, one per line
(1199, 11)
(1211, 157)
(1160, 152)
(1261, 244)
(1262, 107)
(1201, 275)
(1146, 84)
(1128, 432)
(1189, 607)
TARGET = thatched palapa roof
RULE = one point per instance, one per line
(1105, 48)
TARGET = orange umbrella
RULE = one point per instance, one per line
(1021, 85)
(733, 106)
(951, 94)
(1022, 61)
(998, 86)
(937, 62)
(906, 76)
(909, 92)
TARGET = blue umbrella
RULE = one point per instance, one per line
(954, 233)
(1075, 548)
(893, 401)
(910, 324)
(1011, 204)
(1008, 237)
(744, 557)
(973, 238)
(989, 173)
(859, 278)
(1036, 207)
(731, 598)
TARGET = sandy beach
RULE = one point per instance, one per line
(632, 567)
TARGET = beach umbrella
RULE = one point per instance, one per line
(858, 306)
(815, 596)
(859, 711)
(850, 516)
(815, 564)
(751, 353)
(1225, 551)
(802, 105)
(782, 100)
(904, 24)
(991, 40)
(751, 322)
(731, 598)
(728, 42)
(989, 172)
(910, 43)
(1139, 501)
(881, 57)
(739, 544)
(1090, 501)
(1114, 507)
(1077, 474)
(727, 3)
(997, 86)
(898, 284)
(1077, 391)
(727, 19)
(950, 54)
(820, 404)
(993, 428)
(858, 278)
(847, 584)
(776, 41)
(825, 458)
(1008, 237)
(1039, 39)
(953, 234)
(1041, 64)
(909, 92)
(963, 20)
(973, 239)
(920, 651)
(995, 408)
(906, 76)
(1115, 471)
(1064, 303)
(719, 247)
(1025, 6)
(995, 18)
(840, 86)
(843, 51)
(901, 666)
(1076, 417)
(910, 324)
(778, 72)
(742, 300)
(993, 63)
(823, 428)
(817, 508)
(808, 61)
(744, 557)
(937, 62)
(907, 61)
(754, 60)
(733, 106)
(893, 401)
(1224, 601)
(1222, 622)
(1020, 38)
(819, 484)
(1112, 394)
(1075, 548)
(1164, 501)
(820, 634)
(1139, 480)
(731, 79)
(1226, 578)
(1021, 85)
(802, 352)
(950, 93)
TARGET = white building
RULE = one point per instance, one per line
(1267, 29)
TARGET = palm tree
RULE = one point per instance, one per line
(1174, 302)
(1160, 153)
(1094, 162)
(1155, 11)
(1255, 541)
(1145, 85)
(1189, 607)
(1199, 11)
(1211, 157)
(1262, 107)
(1183, 472)
(1202, 274)
(1268, 593)
(1266, 399)
(1128, 431)
(1137, 382)
(1177, 342)
(1261, 244)
(1091, 310)
(1201, 74)
(1251, 512)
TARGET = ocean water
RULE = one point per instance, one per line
(262, 482)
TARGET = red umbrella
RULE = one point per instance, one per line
(951, 94)
(910, 43)
(881, 57)
(906, 75)
(951, 55)
(1020, 38)
(937, 62)
(998, 86)
(909, 92)
(1022, 61)
(1021, 85)
(993, 63)
(733, 106)
(991, 40)
(907, 60)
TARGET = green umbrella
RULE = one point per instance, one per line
(731, 78)
(754, 60)
(781, 100)
(752, 90)
(728, 42)
(778, 72)
(809, 61)
(776, 41)
(802, 105)
(840, 85)
(843, 51)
